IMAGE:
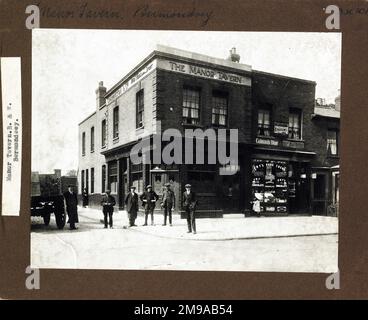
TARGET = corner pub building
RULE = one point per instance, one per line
(278, 158)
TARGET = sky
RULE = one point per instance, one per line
(68, 64)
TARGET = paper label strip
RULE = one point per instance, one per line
(11, 90)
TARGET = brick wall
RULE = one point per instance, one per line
(170, 95)
(317, 140)
(282, 94)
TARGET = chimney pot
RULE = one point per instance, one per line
(234, 57)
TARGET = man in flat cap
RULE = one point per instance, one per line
(71, 205)
(108, 202)
(131, 202)
(149, 198)
(168, 203)
(189, 205)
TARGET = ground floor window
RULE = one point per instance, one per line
(87, 181)
(82, 181)
(137, 177)
(92, 180)
(202, 178)
(113, 177)
(103, 178)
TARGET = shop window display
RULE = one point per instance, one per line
(269, 186)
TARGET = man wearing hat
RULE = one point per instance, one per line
(131, 202)
(168, 203)
(149, 198)
(189, 205)
(108, 202)
(71, 205)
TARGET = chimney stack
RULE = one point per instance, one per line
(234, 57)
(100, 95)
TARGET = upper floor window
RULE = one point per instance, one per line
(92, 139)
(140, 108)
(191, 105)
(219, 108)
(295, 129)
(264, 121)
(103, 133)
(332, 142)
(115, 120)
(83, 143)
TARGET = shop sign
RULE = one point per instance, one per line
(281, 129)
(204, 72)
(131, 81)
(269, 142)
(293, 144)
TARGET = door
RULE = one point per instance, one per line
(159, 179)
(320, 194)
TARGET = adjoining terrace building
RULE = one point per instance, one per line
(284, 143)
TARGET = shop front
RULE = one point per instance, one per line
(280, 185)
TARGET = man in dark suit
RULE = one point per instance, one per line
(189, 205)
(108, 202)
(131, 202)
(85, 197)
(149, 198)
(168, 203)
(71, 205)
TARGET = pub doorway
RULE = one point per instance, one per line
(299, 188)
(159, 178)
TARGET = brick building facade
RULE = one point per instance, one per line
(281, 139)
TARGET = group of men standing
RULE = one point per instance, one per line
(149, 198)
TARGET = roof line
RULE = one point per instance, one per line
(283, 76)
(85, 119)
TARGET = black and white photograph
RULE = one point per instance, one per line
(185, 150)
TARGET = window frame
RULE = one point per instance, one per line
(262, 126)
(217, 95)
(336, 132)
(92, 138)
(103, 133)
(82, 180)
(115, 122)
(83, 143)
(139, 106)
(291, 129)
(103, 178)
(187, 104)
(92, 180)
(113, 176)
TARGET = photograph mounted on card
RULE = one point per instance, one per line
(172, 148)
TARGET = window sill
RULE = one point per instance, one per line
(190, 125)
(83, 154)
(92, 151)
(333, 156)
(265, 137)
(115, 140)
(103, 147)
(219, 126)
(296, 140)
(139, 128)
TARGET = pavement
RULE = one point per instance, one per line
(233, 243)
(231, 227)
